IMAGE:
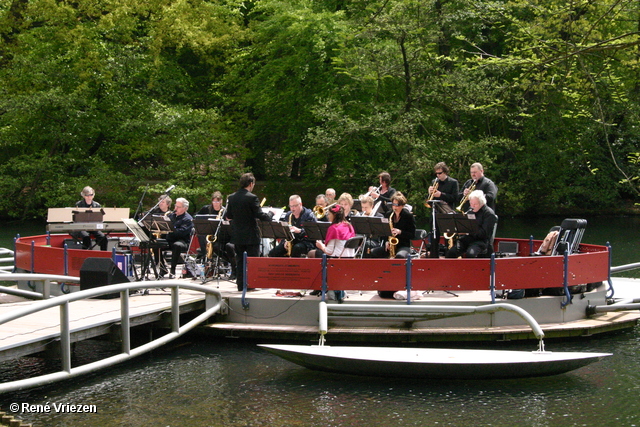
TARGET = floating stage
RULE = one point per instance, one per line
(274, 314)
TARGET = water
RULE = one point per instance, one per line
(231, 383)
(202, 381)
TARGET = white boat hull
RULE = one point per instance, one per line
(433, 363)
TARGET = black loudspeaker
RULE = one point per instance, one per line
(97, 272)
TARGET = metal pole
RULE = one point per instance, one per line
(175, 310)
(245, 303)
(408, 279)
(65, 337)
(566, 280)
(324, 277)
(609, 276)
(492, 280)
(125, 331)
(530, 244)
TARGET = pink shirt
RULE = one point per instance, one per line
(337, 236)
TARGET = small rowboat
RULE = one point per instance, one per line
(433, 363)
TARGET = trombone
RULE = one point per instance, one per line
(321, 211)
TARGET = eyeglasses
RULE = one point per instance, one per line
(439, 173)
(396, 204)
(294, 206)
(89, 195)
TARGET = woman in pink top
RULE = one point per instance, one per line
(338, 233)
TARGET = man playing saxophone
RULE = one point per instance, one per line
(221, 246)
(482, 183)
(300, 245)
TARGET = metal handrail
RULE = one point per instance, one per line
(625, 267)
(46, 280)
(213, 301)
(6, 260)
(419, 310)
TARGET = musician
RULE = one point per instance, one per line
(87, 201)
(476, 243)
(178, 240)
(384, 193)
(221, 246)
(330, 193)
(445, 189)
(346, 201)
(214, 207)
(243, 208)
(367, 204)
(321, 201)
(482, 183)
(163, 208)
(338, 233)
(404, 229)
(297, 215)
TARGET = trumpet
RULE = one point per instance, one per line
(435, 185)
(465, 198)
(374, 191)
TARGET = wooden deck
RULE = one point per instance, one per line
(89, 318)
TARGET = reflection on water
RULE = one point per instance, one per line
(234, 383)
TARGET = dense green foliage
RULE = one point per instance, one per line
(314, 93)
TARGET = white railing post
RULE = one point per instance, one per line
(65, 337)
(125, 330)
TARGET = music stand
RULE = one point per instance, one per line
(357, 205)
(316, 230)
(144, 240)
(456, 223)
(370, 226)
(206, 224)
(275, 230)
(158, 224)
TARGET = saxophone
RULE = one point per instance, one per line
(288, 244)
(393, 240)
(211, 238)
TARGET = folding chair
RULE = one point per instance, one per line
(570, 236)
(421, 235)
(353, 243)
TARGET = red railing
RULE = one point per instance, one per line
(520, 272)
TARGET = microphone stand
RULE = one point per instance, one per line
(140, 202)
(166, 193)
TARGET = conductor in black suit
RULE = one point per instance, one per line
(243, 208)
